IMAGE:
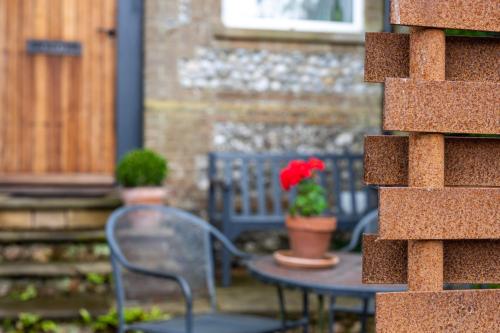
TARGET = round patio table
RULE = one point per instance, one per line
(344, 279)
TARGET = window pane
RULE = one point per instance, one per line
(314, 10)
(339, 16)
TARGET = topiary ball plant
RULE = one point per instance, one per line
(141, 167)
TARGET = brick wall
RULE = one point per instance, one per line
(206, 89)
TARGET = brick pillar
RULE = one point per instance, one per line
(426, 159)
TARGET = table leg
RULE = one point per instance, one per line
(281, 299)
(331, 314)
(305, 310)
(321, 317)
(364, 315)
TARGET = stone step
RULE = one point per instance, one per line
(57, 307)
(27, 288)
(53, 252)
(110, 201)
(46, 270)
(63, 236)
(60, 213)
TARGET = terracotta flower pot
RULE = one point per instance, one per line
(144, 220)
(144, 196)
(310, 236)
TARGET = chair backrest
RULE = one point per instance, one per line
(162, 239)
(368, 224)
(256, 192)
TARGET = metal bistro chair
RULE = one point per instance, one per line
(368, 224)
(173, 245)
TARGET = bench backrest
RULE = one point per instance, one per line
(255, 193)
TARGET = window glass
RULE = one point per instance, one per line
(314, 10)
(301, 15)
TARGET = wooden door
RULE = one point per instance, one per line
(57, 109)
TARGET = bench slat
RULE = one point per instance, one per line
(352, 186)
(244, 188)
(336, 185)
(276, 188)
(228, 176)
(261, 192)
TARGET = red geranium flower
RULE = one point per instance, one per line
(316, 163)
(298, 170)
(285, 176)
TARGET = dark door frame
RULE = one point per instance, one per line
(129, 81)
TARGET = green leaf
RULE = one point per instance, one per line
(95, 278)
(310, 200)
(142, 167)
(49, 326)
(28, 319)
(86, 316)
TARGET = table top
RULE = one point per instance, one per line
(343, 279)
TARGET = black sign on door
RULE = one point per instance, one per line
(54, 47)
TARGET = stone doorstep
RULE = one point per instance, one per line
(62, 236)
(41, 270)
(56, 307)
(51, 213)
(33, 203)
(53, 219)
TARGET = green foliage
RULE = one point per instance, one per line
(30, 323)
(100, 250)
(85, 316)
(96, 278)
(109, 321)
(469, 33)
(27, 294)
(28, 319)
(487, 286)
(310, 201)
(336, 13)
(141, 167)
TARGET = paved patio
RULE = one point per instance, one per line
(246, 295)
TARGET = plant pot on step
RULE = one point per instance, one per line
(142, 173)
(147, 221)
(146, 195)
(310, 236)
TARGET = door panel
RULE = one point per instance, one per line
(57, 111)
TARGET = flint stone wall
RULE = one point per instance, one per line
(206, 91)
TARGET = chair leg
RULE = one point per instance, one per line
(331, 315)
(364, 315)
(226, 268)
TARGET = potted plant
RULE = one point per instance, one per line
(309, 231)
(141, 172)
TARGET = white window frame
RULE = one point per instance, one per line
(233, 16)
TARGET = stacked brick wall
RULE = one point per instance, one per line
(440, 226)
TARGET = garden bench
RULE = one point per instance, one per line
(245, 192)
